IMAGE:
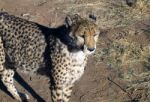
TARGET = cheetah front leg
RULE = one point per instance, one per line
(67, 90)
(7, 79)
(61, 93)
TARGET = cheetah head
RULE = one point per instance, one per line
(84, 33)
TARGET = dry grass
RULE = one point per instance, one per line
(122, 53)
(110, 13)
(124, 48)
(122, 15)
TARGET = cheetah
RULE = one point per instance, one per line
(28, 46)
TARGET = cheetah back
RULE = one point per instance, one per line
(24, 42)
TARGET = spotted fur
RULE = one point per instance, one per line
(28, 46)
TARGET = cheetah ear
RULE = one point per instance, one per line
(93, 18)
(72, 20)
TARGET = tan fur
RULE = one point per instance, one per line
(28, 46)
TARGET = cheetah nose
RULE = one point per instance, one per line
(91, 49)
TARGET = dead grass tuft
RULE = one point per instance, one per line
(124, 48)
(111, 13)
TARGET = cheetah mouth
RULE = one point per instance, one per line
(82, 48)
(73, 47)
(88, 51)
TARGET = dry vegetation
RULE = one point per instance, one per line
(111, 13)
(123, 52)
(126, 49)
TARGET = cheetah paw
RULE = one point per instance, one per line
(24, 97)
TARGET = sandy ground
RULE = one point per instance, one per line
(100, 83)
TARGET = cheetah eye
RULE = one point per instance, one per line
(82, 36)
(95, 35)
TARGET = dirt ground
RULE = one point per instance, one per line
(106, 79)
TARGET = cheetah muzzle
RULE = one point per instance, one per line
(28, 46)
